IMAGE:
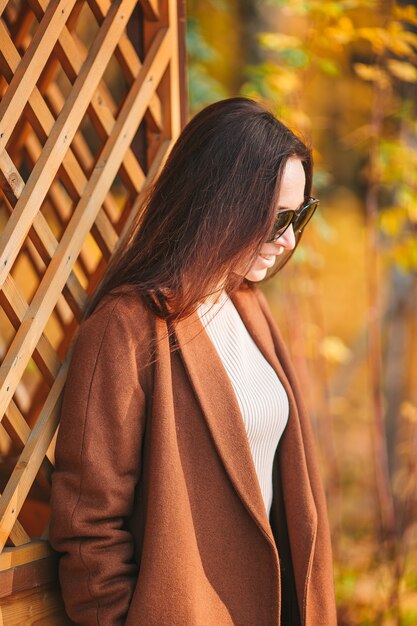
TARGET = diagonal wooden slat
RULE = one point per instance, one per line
(11, 182)
(102, 230)
(15, 307)
(18, 535)
(79, 146)
(28, 72)
(43, 121)
(156, 166)
(56, 195)
(18, 429)
(84, 215)
(104, 235)
(46, 245)
(45, 242)
(130, 64)
(81, 151)
(3, 4)
(72, 57)
(14, 421)
(30, 460)
(61, 135)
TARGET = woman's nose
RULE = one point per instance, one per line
(287, 240)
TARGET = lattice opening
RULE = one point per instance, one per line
(6, 326)
(86, 27)
(27, 271)
(57, 91)
(142, 141)
(60, 203)
(115, 83)
(21, 23)
(5, 443)
(20, 156)
(34, 514)
(87, 145)
(88, 260)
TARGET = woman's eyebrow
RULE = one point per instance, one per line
(285, 208)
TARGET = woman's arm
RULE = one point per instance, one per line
(98, 459)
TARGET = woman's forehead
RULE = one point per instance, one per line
(292, 185)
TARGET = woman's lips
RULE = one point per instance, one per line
(268, 259)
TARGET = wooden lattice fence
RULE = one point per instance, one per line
(92, 99)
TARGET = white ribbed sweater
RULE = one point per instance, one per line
(261, 397)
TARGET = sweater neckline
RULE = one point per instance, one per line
(214, 301)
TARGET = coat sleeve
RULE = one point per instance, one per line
(98, 458)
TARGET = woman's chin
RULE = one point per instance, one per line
(255, 274)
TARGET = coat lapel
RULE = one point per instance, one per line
(221, 410)
(300, 508)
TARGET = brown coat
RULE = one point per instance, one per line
(153, 467)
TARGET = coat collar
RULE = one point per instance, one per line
(221, 410)
(218, 401)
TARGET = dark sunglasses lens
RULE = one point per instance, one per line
(304, 216)
(281, 223)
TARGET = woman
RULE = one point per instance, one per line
(186, 490)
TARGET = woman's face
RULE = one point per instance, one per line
(291, 196)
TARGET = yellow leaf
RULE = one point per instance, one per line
(301, 120)
(410, 37)
(406, 14)
(339, 35)
(405, 254)
(279, 41)
(342, 33)
(334, 350)
(392, 221)
(345, 23)
(392, 38)
(371, 72)
(403, 70)
(412, 213)
(396, 41)
(286, 82)
(376, 36)
(409, 411)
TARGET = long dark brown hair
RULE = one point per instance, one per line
(209, 211)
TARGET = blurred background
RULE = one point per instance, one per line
(344, 75)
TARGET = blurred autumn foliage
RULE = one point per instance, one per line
(344, 75)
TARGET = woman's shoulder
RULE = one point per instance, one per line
(118, 332)
(124, 301)
(121, 315)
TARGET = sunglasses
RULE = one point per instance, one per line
(298, 219)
